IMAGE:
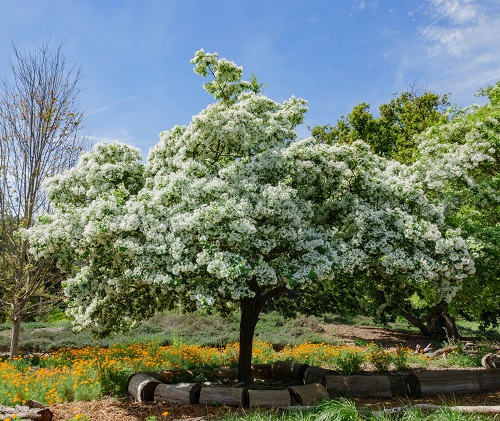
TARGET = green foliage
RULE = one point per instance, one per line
(420, 129)
(392, 133)
(473, 203)
(381, 359)
(349, 362)
(114, 380)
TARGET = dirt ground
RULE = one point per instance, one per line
(127, 410)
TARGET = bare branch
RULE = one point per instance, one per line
(40, 122)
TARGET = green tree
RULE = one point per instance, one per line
(392, 133)
(454, 158)
(471, 196)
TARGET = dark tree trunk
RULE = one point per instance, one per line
(250, 310)
(438, 325)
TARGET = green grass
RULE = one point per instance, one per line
(203, 329)
(345, 410)
(197, 328)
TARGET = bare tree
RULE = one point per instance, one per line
(40, 123)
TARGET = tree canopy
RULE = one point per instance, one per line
(391, 134)
(231, 212)
(453, 155)
(461, 163)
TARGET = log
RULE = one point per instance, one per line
(184, 393)
(309, 394)
(198, 374)
(272, 399)
(25, 412)
(142, 386)
(173, 375)
(480, 409)
(434, 383)
(288, 372)
(315, 374)
(358, 386)
(489, 380)
(491, 361)
(225, 373)
(441, 351)
(34, 404)
(223, 395)
(179, 375)
(261, 371)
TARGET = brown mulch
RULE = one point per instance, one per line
(127, 410)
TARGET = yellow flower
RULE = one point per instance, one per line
(77, 416)
(165, 413)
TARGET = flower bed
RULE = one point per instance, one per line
(90, 373)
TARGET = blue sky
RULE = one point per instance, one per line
(333, 53)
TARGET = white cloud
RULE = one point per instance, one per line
(443, 39)
(460, 27)
(455, 49)
(457, 11)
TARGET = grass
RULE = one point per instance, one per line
(197, 328)
(345, 410)
(202, 329)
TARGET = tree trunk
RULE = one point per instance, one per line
(40, 308)
(438, 325)
(14, 337)
(443, 326)
(250, 311)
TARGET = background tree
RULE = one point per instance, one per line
(391, 134)
(231, 212)
(451, 154)
(39, 132)
(465, 152)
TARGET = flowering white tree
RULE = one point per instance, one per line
(231, 212)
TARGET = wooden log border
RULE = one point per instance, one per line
(358, 386)
(142, 385)
(457, 382)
